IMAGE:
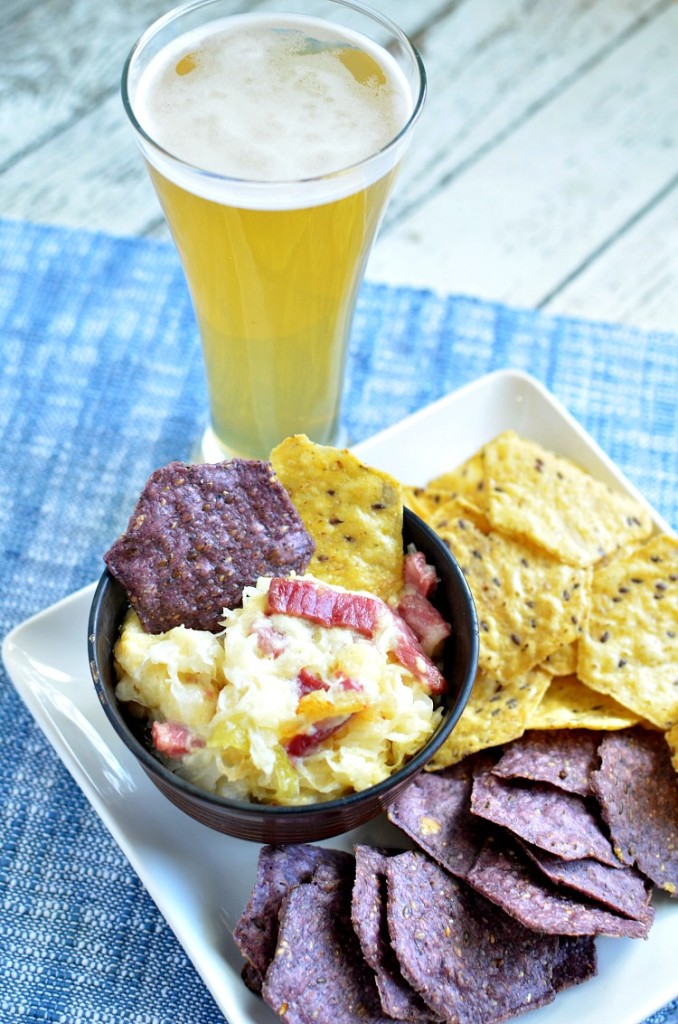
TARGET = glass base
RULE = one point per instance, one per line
(209, 449)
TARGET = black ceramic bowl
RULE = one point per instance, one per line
(272, 824)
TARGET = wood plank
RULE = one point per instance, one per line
(634, 279)
(494, 68)
(89, 177)
(63, 60)
(529, 212)
(472, 52)
(492, 65)
(12, 9)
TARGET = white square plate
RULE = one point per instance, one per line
(182, 863)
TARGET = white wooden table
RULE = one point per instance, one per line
(544, 172)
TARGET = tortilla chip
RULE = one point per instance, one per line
(252, 977)
(506, 879)
(468, 481)
(558, 822)
(496, 712)
(548, 500)
(279, 870)
(424, 501)
(353, 513)
(435, 811)
(671, 738)
(564, 758)
(318, 972)
(562, 662)
(620, 889)
(629, 648)
(568, 704)
(636, 788)
(577, 961)
(368, 915)
(469, 961)
(198, 535)
(528, 603)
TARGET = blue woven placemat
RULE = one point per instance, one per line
(102, 382)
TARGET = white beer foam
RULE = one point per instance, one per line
(268, 101)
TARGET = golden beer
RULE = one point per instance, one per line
(269, 141)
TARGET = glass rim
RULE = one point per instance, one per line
(277, 183)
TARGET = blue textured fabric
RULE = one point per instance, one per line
(102, 382)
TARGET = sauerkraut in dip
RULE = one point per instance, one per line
(309, 692)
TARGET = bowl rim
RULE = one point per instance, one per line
(251, 810)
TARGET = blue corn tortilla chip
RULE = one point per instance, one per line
(504, 877)
(318, 974)
(199, 534)
(637, 789)
(563, 757)
(435, 811)
(620, 890)
(368, 915)
(279, 869)
(577, 961)
(555, 821)
(252, 978)
(469, 961)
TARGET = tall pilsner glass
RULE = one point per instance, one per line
(273, 139)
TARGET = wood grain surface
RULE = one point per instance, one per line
(544, 171)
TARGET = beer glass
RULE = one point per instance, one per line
(273, 140)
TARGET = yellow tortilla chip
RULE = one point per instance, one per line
(569, 704)
(562, 662)
(496, 712)
(353, 513)
(551, 502)
(528, 603)
(424, 501)
(468, 481)
(672, 740)
(629, 648)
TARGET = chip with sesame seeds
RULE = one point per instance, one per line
(435, 812)
(533, 493)
(198, 535)
(353, 513)
(620, 889)
(279, 869)
(528, 602)
(318, 972)
(562, 662)
(629, 648)
(468, 481)
(496, 712)
(570, 704)
(368, 915)
(425, 501)
(509, 514)
(464, 484)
